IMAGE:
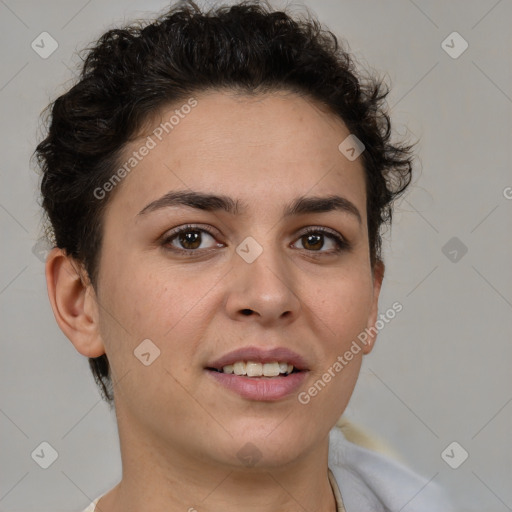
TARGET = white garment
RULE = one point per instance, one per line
(371, 482)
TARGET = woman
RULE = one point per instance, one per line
(216, 183)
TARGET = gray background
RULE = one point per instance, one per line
(441, 370)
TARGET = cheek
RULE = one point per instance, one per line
(344, 309)
(344, 305)
(156, 302)
(149, 304)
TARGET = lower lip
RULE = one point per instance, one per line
(264, 389)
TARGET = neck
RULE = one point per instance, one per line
(158, 477)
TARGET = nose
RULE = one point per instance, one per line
(263, 290)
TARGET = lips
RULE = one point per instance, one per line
(258, 387)
(258, 355)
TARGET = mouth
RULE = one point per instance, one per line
(256, 369)
(260, 375)
(257, 362)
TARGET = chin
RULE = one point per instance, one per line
(267, 447)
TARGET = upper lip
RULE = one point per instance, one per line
(260, 355)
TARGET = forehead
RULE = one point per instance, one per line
(268, 146)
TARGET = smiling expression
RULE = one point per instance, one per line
(239, 178)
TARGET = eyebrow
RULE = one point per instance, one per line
(211, 202)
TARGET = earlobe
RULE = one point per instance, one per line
(73, 301)
(371, 330)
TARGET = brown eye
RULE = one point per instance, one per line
(190, 240)
(312, 242)
(316, 239)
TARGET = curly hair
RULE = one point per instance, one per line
(132, 72)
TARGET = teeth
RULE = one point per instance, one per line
(271, 369)
(239, 368)
(253, 369)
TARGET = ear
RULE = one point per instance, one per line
(73, 301)
(378, 276)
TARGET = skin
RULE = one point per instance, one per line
(179, 430)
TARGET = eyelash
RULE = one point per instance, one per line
(341, 243)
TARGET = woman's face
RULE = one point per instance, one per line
(245, 277)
